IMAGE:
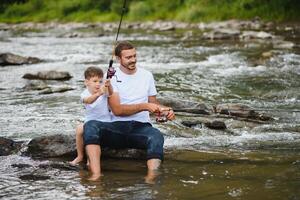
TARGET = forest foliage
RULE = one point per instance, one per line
(15, 11)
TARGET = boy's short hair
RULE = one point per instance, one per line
(124, 45)
(92, 72)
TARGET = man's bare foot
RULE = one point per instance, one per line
(151, 176)
(76, 161)
(94, 177)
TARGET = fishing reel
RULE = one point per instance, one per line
(162, 115)
(110, 71)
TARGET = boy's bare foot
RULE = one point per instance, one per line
(76, 161)
(94, 177)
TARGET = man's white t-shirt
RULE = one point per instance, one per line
(98, 110)
(134, 89)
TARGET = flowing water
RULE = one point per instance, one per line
(249, 161)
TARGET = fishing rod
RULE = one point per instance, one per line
(111, 70)
(204, 111)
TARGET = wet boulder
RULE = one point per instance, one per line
(35, 85)
(211, 124)
(52, 146)
(184, 106)
(240, 110)
(49, 75)
(65, 146)
(192, 123)
(216, 124)
(56, 89)
(13, 59)
(44, 88)
(8, 146)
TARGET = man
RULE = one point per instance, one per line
(133, 98)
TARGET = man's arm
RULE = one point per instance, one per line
(125, 109)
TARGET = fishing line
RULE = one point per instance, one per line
(111, 70)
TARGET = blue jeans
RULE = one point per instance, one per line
(125, 134)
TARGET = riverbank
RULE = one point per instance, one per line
(17, 11)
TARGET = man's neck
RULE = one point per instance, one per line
(127, 71)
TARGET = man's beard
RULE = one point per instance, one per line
(130, 66)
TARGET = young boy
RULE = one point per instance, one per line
(94, 98)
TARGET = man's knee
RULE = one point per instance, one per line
(156, 138)
(155, 145)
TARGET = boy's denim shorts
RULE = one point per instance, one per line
(125, 134)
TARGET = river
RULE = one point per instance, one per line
(256, 161)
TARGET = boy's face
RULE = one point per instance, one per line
(93, 84)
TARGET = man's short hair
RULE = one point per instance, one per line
(125, 45)
(92, 72)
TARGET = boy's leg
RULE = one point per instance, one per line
(79, 145)
(94, 152)
(92, 136)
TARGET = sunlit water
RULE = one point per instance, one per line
(248, 162)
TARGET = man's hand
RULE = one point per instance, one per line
(168, 112)
(153, 108)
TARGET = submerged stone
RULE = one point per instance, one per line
(34, 177)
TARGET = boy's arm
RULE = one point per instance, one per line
(129, 109)
(91, 99)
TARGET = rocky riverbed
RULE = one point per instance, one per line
(234, 86)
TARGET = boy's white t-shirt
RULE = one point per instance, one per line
(134, 89)
(98, 110)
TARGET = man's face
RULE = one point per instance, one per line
(128, 59)
(93, 84)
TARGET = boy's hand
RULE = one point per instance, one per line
(100, 92)
(103, 89)
(107, 83)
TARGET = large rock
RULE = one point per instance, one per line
(64, 145)
(8, 146)
(44, 88)
(240, 110)
(59, 89)
(49, 75)
(51, 146)
(13, 59)
(184, 106)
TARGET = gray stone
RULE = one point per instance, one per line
(51, 146)
(8, 146)
(13, 59)
(64, 146)
(49, 75)
(218, 125)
